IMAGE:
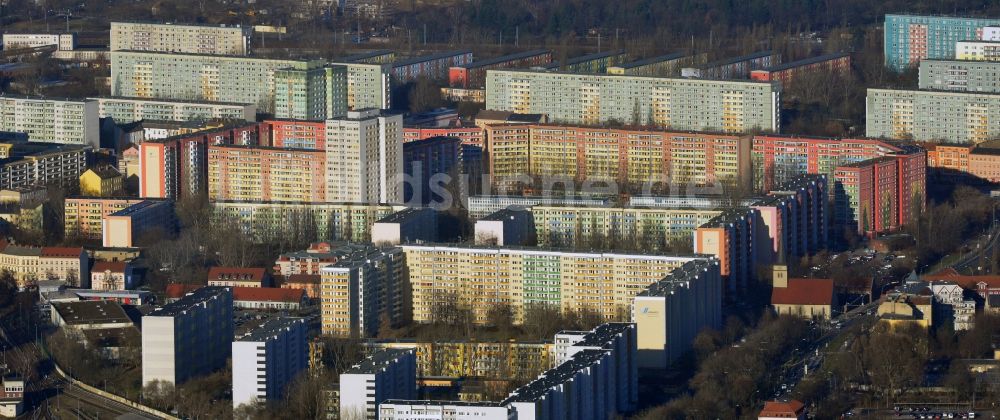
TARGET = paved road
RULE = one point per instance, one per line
(813, 353)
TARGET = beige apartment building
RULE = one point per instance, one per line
(188, 39)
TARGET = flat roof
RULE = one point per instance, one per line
(538, 388)
(361, 56)
(377, 361)
(504, 214)
(501, 59)
(170, 101)
(91, 312)
(679, 277)
(652, 60)
(404, 215)
(270, 328)
(604, 75)
(585, 58)
(732, 60)
(432, 403)
(807, 61)
(435, 56)
(191, 300)
(602, 335)
(138, 207)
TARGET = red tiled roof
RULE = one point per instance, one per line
(267, 294)
(303, 279)
(61, 252)
(113, 266)
(804, 292)
(790, 409)
(966, 282)
(178, 290)
(236, 274)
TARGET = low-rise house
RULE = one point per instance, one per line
(112, 275)
(783, 410)
(900, 309)
(987, 288)
(238, 277)
(90, 315)
(12, 397)
(31, 264)
(310, 283)
(103, 181)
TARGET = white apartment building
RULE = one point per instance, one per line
(387, 374)
(443, 410)
(267, 358)
(193, 39)
(63, 42)
(189, 337)
(364, 157)
(52, 120)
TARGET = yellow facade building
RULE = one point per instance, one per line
(83, 216)
(482, 278)
(103, 181)
(491, 360)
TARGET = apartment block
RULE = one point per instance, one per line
(671, 312)
(113, 276)
(681, 104)
(473, 136)
(483, 205)
(202, 77)
(430, 166)
(589, 63)
(126, 227)
(127, 110)
(266, 359)
(474, 75)
(484, 359)
(314, 93)
(295, 134)
(584, 387)
(787, 73)
(506, 227)
(908, 39)
(189, 337)
(388, 374)
(735, 67)
(414, 224)
(184, 39)
(368, 85)
(603, 282)
(618, 338)
(364, 285)
(434, 66)
(176, 167)
(734, 238)
(959, 76)
(266, 221)
(866, 197)
(633, 158)
(62, 42)
(364, 157)
(444, 410)
(668, 65)
(975, 50)
(981, 161)
(795, 219)
(84, 216)
(29, 164)
(370, 57)
(614, 227)
(778, 159)
(62, 121)
(255, 173)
